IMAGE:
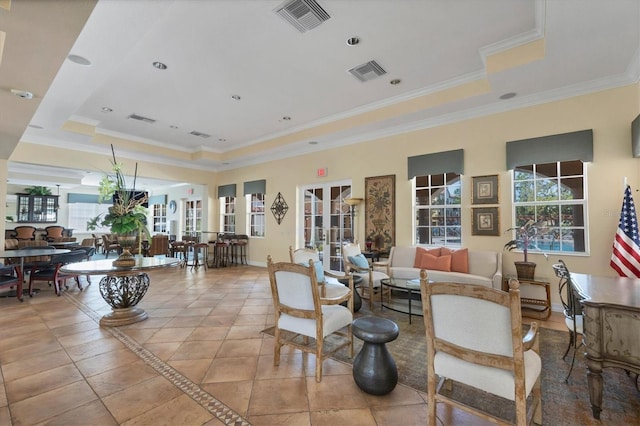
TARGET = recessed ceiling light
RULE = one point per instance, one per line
(286, 118)
(35, 126)
(395, 81)
(352, 41)
(313, 142)
(80, 60)
(159, 65)
(235, 97)
(508, 95)
(106, 109)
(222, 140)
(225, 164)
(173, 127)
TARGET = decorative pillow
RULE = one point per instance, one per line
(435, 263)
(319, 270)
(420, 251)
(360, 261)
(459, 259)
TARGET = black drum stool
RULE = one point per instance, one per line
(374, 369)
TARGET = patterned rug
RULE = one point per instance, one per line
(562, 403)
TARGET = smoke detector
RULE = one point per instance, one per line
(22, 94)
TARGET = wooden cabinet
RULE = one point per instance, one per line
(37, 208)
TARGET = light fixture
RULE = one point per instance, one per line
(352, 41)
(313, 142)
(159, 65)
(353, 202)
(508, 95)
(235, 97)
(222, 140)
(286, 118)
(22, 93)
(80, 60)
(106, 109)
(395, 81)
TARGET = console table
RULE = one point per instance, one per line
(121, 287)
(535, 297)
(611, 310)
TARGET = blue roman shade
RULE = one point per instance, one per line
(255, 187)
(436, 163)
(158, 199)
(549, 149)
(82, 198)
(227, 190)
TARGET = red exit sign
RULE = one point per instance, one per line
(322, 172)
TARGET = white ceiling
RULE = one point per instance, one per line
(218, 48)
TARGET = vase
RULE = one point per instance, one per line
(525, 270)
(126, 242)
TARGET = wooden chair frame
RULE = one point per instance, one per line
(315, 314)
(514, 363)
(366, 292)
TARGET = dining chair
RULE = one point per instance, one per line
(11, 277)
(300, 314)
(50, 271)
(474, 338)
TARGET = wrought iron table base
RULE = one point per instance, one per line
(122, 293)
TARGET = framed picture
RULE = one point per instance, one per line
(380, 211)
(485, 189)
(485, 221)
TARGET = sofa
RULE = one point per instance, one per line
(445, 265)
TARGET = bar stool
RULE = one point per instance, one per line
(178, 249)
(241, 246)
(197, 249)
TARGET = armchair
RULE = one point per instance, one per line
(52, 233)
(109, 245)
(355, 262)
(474, 337)
(330, 288)
(299, 311)
(25, 232)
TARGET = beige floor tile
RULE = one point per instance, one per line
(358, 416)
(231, 370)
(335, 392)
(140, 398)
(197, 350)
(208, 333)
(29, 386)
(29, 366)
(121, 378)
(164, 351)
(252, 319)
(181, 410)
(401, 395)
(140, 335)
(235, 348)
(218, 320)
(74, 328)
(35, 350)
(106, 361)
(410, 415)
(291, 365)
(193, 311)
(235, 395)
(50, 404)
(5, 416)
(171, 334)
(254, 310)
(186, 321)
(278, 396)
(91, 349)
(289, 419)
(245, 332)
(193, 369)
(94, 413)
(83, 337)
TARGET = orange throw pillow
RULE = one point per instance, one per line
(435, 263)
(459, 259)
(420, 251)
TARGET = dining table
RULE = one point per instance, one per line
(29, 252)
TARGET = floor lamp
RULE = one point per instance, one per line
(353, 202)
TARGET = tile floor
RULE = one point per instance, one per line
(200, 359)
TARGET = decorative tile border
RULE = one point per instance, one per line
(206, 400)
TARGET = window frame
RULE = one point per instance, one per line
(450, 221)
(558, 201)
(227, 226)
(256, 215)
(159, 217)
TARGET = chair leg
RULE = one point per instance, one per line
(319, 359)
(571, 343)
(573, 358)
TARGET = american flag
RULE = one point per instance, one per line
(626, 247)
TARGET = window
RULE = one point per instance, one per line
(193, 217)
(437, 209)
(555, 194)
(255, 215)
(228, 214)
(159, 217)
(81, 213)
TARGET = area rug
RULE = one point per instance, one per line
(563, 403)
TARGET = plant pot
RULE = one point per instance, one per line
(525, 270)
(126, 258)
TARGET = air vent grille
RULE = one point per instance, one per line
(142, 118)
(304, 15)
(199, 134)
(368, 71)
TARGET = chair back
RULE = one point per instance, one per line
(34, 245)
(159, 245)
(569, 296)
(303, 255)
(71, 257)
(294, 289)
(25, 232)
(54, 231)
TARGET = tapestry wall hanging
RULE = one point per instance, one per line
(279, 208)
(380, 211)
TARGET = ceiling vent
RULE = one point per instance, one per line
(199, 134)
(368, 71)
(303, 14)
(141, 118)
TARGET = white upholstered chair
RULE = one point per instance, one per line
(331, 290)
(474, 337)
(300, 313)
(355, 262)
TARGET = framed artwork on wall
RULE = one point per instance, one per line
(484, 189)
(380, 211)
(485, 221)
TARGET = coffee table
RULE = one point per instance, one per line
(408, 305)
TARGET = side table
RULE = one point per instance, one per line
(357, 300)
(535, 297)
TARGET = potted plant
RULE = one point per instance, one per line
(126, 217)
(525, 238)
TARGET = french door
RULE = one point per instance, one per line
(326, 221)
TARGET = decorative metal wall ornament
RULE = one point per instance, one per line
(279, 208)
